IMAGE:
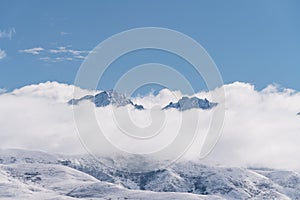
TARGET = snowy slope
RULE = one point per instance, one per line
(40, 179)
(190, 177)
(48, 181)
(38, 175)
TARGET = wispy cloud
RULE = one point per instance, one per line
(59, 50)
(45, 58)
(79, 57)
(2, 54)
(7, 33)
(64, 49)
(56, 59)
(64, 33)
(59, 54)
(34, 51)
(65, 53)
(63, 59)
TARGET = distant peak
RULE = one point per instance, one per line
(106, 98)
(186, 103)
(112, 97)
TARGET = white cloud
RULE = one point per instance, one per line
(56, 59)
(164, 97)
(2, 90)
(7, 33)
(45, 58)
(59, 59)
(2, 54)
(64, 49)
(261, 127)
(79, 57)
(42, 120)
(59, 50)
(60, 54)
(34, 51)
(53, 91)
(66, 54)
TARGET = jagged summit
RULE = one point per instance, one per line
(105, 98)
(108, 97)
(186, 103)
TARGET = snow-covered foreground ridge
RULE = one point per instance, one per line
(37, 175)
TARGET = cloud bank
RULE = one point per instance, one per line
(261, 128)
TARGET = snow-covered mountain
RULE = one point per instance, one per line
(37, 175)
(186, 103)
(105, 98)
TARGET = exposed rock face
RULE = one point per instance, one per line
(186, 103)
(106, 98)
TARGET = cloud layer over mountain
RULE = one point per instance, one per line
(261, 128)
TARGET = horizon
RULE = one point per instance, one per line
(155, 92)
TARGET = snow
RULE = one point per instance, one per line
(106, 98)
(38, 175)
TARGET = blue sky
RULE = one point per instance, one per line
(250, 41)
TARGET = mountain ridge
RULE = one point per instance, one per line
(111, 97)
(186, 103)
(83, 177)
(105, 98)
